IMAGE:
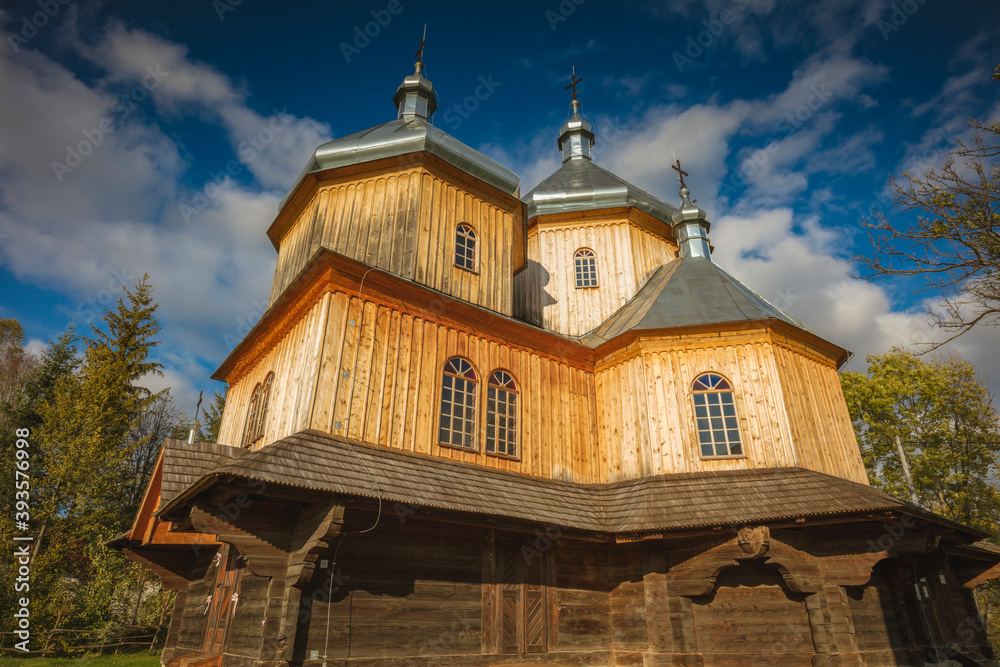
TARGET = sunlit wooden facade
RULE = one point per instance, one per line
(477, 427)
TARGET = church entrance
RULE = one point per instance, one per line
(522, 622)
(228, 568)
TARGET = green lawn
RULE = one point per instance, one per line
(138, 660)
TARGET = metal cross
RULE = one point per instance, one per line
(574, 81)
(680, 172)
(420, 51)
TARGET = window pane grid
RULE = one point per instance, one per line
(585, 267)
(465, 247)
(249, 431)
(501, 416)
(457, 426)
(715, 417)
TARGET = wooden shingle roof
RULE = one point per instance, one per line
(184, 464)
(330, 464)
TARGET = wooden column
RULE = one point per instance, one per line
(285, 551)
(669, 621)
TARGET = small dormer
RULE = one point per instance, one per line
(593, 239)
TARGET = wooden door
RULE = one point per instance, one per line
(228, 571)
(521, 619)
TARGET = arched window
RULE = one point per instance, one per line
(265, 402)
(260, 400)
(715, 413)
(250, 428)
(458, 404)
(501, 414)
(585, 264)
(465, 247)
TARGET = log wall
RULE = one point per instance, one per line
(405, 589)
(627, 255)
(404, 221)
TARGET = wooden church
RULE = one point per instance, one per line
(476, 427)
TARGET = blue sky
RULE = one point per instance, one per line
(153, 138)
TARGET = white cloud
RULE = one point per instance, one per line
(35, 346)
(115, 214)
(279, 144)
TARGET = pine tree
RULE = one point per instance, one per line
(213, 415)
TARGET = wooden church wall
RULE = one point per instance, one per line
(393, 396)
(817, 414)
(404, 222)
(413, 589)
(387, 390)
(582, 601)
(751, 613)
(293, 360)
(646, 418)
(790, 407)
(627, 255)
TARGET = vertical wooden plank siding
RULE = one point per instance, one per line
(627, 256)
(404, 222)
(294, 361)
(645, 416)
(379, 380)
(820, 423)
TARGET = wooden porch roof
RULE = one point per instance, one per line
(330, 464)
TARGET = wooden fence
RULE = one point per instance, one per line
(64, 642)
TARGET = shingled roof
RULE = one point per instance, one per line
(688, 292)
(184, 464)
(330, 464)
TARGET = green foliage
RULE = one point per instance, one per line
(946, 421)
(95, 437)
(213, 416)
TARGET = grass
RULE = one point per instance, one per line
(135, 660)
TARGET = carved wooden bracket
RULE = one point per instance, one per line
(697, 575)
(754, 541)
(263, 558)
(314, 531)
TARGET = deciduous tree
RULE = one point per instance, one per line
(946, 233)
(944, 417)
